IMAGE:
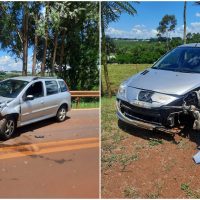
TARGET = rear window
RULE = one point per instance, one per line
(52, 87)
(63, 86)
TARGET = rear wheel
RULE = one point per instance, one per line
(7, 127)
(61, 114)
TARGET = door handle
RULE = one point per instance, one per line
(42, 102)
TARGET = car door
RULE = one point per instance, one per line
(33, 109)
(52, 98)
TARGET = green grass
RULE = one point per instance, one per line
(9, 75)
(190, 193)
(130, 192)
(94, 104)
(155, 142)
(119, 72)
(108, 115)
(126, 160)
(112, 137)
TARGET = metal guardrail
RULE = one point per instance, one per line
(83, 94)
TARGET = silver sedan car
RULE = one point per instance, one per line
(25, 100)
(165, 96)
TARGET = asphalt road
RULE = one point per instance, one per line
(53, 160)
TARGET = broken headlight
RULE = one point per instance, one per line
(122, 89)
(2, 106)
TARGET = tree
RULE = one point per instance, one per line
(110, 45)
(184, 17)
(64, 37)
(110, 12)
(35, 15)
(46, 35)
(193, 37)
(14, 31)
(167, 25)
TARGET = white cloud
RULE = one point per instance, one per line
(140, 31)
(115, 32)
(197, 14)
(195, 24)
(7, 63)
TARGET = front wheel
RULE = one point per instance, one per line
(7, 127)
(61, 114)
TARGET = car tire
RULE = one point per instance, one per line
(61, 114)
(7, 127)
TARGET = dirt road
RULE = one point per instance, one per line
(53, 160)
(138, 163)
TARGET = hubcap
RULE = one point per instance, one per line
(62, 114)
(10, 126)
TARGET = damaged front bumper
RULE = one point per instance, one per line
(150, 119)
(137, 123)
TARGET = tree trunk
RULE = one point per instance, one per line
(184, 17)
(54, 53)
(104, 62)
(168, 40)
(35, 50)
(25, 42)
(45, 41)
(102, 88)
(62, 51)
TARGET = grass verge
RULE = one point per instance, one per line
(119, 72)
(94, 104)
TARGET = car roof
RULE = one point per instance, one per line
(190, 45)
(32, 78)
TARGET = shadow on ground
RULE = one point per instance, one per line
(33, 127)
(187, 132)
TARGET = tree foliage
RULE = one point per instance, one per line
(110, 12)
(166, 25)
(184, 21)
(64, 37)
(140, 52)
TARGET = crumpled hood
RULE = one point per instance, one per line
(4, 99)
(163, 81)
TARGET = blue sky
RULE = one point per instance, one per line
(149, 14)
(9, 63)
(142, 25)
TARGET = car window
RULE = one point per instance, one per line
(52, 87)
(11, 88)
(171, 60)
(36, 89)
(191, 59)
(184, 59)
(63, 86)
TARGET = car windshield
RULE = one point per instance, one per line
(11, 88)
(181, 59)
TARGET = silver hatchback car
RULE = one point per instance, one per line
(25, 100)
(165, 96)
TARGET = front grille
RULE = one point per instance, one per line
(143, 114)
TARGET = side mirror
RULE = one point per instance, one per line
(29, 98)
